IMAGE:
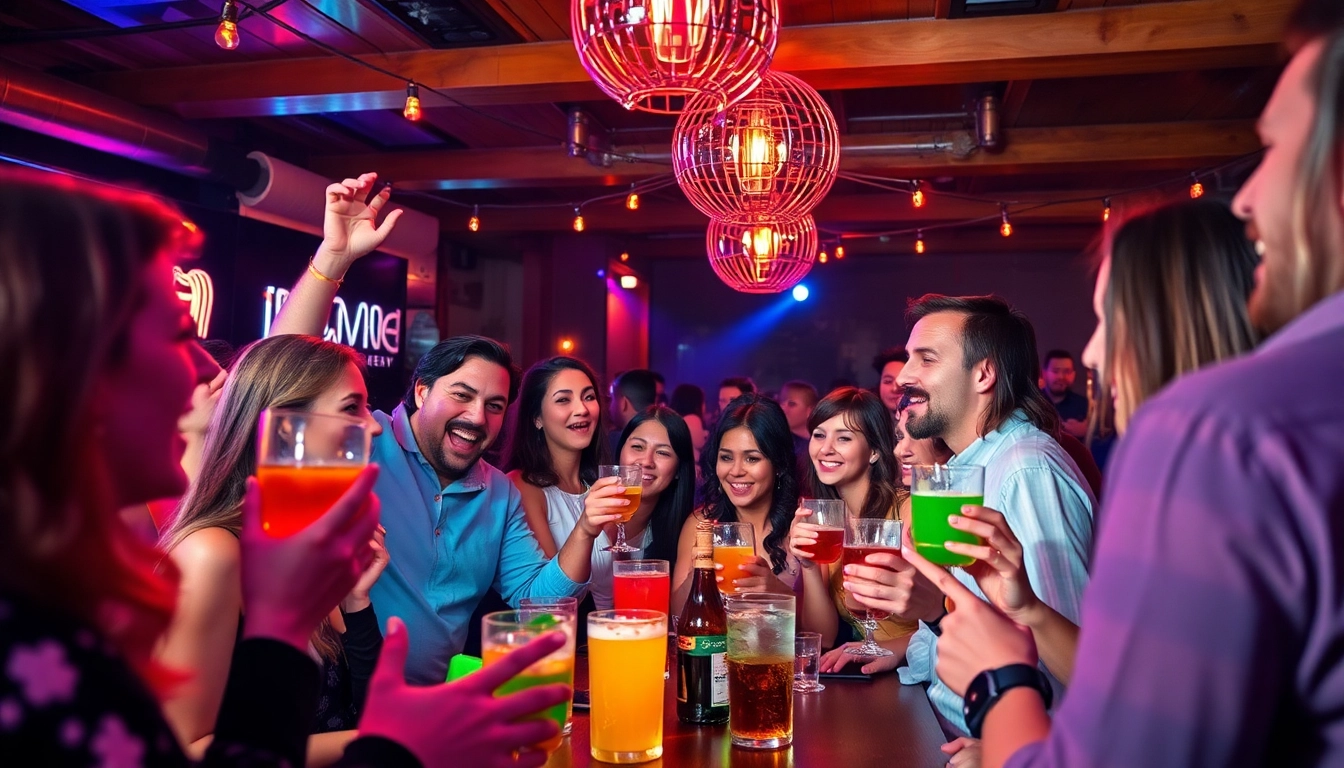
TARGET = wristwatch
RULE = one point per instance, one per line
(989, 686)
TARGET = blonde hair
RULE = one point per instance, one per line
(72, 257)
(279, 372)
(1176, 300)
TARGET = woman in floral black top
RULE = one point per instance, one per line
(98, 366)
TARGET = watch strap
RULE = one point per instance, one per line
(989, 686)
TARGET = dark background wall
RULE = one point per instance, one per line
(702, 331)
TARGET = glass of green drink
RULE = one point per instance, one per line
(505, 631)
(940, 491)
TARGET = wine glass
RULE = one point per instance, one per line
(864, 537)
(632, 478)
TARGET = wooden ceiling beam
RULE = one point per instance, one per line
(1073, 149)
(1157, 37)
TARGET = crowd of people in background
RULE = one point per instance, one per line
(1186, 615)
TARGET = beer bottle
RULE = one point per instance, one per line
(702, 642)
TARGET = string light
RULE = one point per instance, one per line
(474, 223)
(1006, 228)
(1196, 188)
(625, 255)
(566, 345)
(839, 251)
(578, 219)
(821, 257)
(917, 197)
(226, 34)
(412, 110)
(1106, 209)
(632, 200)
(919, 241)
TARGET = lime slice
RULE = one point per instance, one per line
(543, 621)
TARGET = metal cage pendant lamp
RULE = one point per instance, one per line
(764, 256)
(652, 55)
(774, 153)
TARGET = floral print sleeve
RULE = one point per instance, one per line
(67, 699)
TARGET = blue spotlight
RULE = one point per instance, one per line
(601, 273)
(800, 292)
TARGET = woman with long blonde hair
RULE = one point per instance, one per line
(299, 372)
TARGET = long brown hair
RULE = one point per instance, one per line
(865, 414)
(1176, 300)
(71, 257)
(279, 372)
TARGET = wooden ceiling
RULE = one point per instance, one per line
(1095, 95)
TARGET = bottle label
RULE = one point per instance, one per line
(705, 645)
(719, 662)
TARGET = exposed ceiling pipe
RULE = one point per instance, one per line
(61, 109)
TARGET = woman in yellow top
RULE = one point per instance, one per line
(852, 452)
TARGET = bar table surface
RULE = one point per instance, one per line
(851, 724)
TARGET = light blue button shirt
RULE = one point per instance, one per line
(448, 546)
(1048, 505)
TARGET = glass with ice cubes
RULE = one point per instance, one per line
(760, 669)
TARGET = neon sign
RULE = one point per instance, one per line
(371, 329)
(199, 295)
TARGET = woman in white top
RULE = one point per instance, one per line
(558, 441)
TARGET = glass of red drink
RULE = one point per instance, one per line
(642, 584)
(828, 521)
(864, 537)
(305, 463)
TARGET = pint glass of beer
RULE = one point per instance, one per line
(760, 670)
(305, 462)
(627, 654)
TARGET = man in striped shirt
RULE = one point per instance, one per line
(971, 381)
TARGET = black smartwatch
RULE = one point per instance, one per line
(989, 686)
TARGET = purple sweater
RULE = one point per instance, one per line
(1213, 628)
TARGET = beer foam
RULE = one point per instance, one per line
(627, 629)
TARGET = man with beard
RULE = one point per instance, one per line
(971, 382)
(455, 524)
(1213, 628)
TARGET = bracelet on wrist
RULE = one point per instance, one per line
(935, 626)
(312, 268)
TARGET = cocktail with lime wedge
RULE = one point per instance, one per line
(505, 631)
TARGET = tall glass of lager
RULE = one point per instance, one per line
(627, 655)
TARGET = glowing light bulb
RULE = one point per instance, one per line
(918, 198)
(226, 34)
(839, 251)
(412, 109)
(919, 242)
(678, 29)
(474, 223)
(578, 220)
(1106, 209)
(629, 282)
(758, 156)
(566, 345)
(1196, 188)
(821, 257)
(625, 255)
(632, 201)
(1006, 228)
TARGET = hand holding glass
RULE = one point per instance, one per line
(506, 631)
(305, 462)
(632, 479)
(828, 520)
(734, 544)
(864, 537)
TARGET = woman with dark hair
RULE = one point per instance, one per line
(657, 440)
(748, 477)
(689, 401)
(558, 441)
(853, 458)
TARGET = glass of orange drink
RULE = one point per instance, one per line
(505, 631)
(627, 653)
(734, 545)
(632, 480)
(305, 463)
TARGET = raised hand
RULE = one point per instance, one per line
(348, 226)
(802, 534)
(888, 583)
(291, 583)
(463, 722)
(975, 635)
(605, 504)
(358, 599)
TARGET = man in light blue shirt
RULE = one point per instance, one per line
(971, 381)
(455, 524)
